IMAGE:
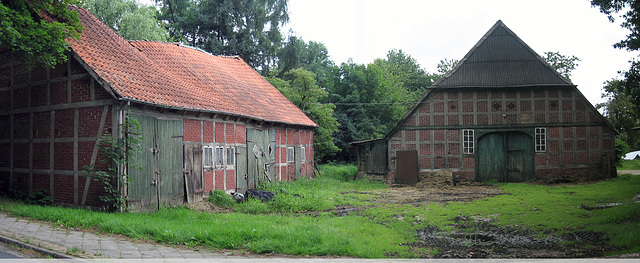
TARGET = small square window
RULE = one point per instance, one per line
(467, 141)
(541, 139)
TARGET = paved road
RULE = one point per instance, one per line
(7, 252)
(634, 172)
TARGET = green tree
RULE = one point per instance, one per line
(371, 99)
(36, 30)
(130, 19)
(300, 87)
(626, 90)
(561, 63)
(445, 66)
(248, 28)
(312, 56)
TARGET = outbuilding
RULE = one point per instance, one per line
(207, 122)
(502, 113)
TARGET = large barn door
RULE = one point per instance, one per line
(160, 180)
(170, 162)
(261, 157)
(490, 157)
(519, 157)
(142, 190)
(406, 167)
(505, 157)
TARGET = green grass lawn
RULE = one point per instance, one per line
(300, 220)
(629, 165)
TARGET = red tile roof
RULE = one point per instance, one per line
(176, 76)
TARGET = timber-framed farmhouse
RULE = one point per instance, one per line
(208, 122)
(502, 113)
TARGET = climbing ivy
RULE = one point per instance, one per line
(116, 154)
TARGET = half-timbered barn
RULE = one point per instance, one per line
(207, 122)
(502, 113)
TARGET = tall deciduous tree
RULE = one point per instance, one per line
(300, 87)
(248, 28)
(130, 19)
(629, 87)
(36, 30)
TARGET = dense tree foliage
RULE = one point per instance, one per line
(248, 28)
(130, 19)
(24, 29)
(371, 99)
(301, 88)
(624, 95)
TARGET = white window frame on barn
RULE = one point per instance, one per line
(291, 154)
(303, 153)
(468, 137)
(207, 157)
(541, 139)
(230, 158)
(218, 157)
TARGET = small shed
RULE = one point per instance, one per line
(502, 113)
(208, 122)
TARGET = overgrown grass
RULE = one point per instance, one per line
(288, 225)
(322, 193)
(629, 165)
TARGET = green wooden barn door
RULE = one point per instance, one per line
(490, 157)
(142, 190)
(170, 162)
(505, 156)
(160, 181)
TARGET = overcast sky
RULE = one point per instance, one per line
(433, 30)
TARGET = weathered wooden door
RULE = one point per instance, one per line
(241, 169)
(260, 157)
(160, 181)
(490, 157)
(505, 156)
(194, 184)
(519, 157)
(406, 167)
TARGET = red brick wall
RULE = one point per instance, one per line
(25, 100)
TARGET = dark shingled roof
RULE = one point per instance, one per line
(501, 59)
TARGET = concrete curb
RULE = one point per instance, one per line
(44, 251)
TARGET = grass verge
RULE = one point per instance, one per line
(299, 221)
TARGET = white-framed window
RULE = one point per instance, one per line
(291, 154)
(541, 139)
(303, 154)
(467, 142)
(231, 156)
(207, 156)
(219, 156)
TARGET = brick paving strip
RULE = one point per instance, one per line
(59, 243)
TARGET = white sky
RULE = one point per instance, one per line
(431, 30)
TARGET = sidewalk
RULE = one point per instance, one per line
(59, 243)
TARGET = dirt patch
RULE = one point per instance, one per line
(419, 195)
(473, 238)
(208, 207)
